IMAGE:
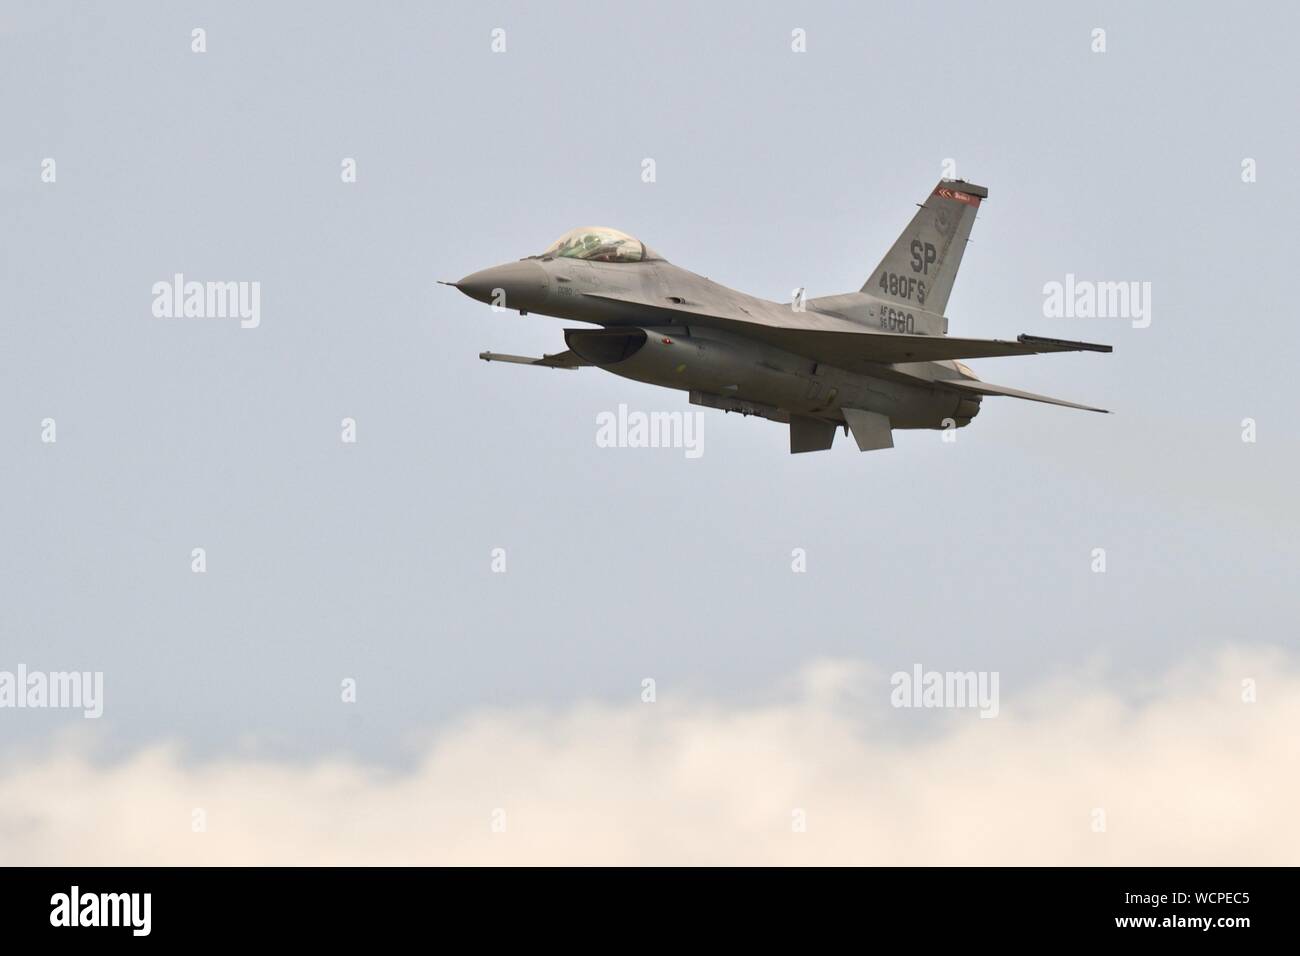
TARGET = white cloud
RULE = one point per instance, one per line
(1192, 775)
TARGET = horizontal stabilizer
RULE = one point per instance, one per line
(985, 388)
(559, 360)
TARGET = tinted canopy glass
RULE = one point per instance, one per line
(599, 244)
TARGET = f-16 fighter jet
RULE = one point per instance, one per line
(869, 361)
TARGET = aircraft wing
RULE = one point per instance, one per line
(839, 342)
(850, 349)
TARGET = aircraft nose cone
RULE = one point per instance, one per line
(515, 285)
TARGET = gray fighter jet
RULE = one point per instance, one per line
(871, 361)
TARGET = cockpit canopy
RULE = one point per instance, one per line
(599, 244)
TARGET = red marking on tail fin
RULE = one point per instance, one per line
(967, 198)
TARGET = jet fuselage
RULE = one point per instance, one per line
(872, 360)
(648, 338)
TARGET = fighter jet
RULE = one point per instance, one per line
(869, 361)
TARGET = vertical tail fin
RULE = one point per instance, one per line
(920, 268)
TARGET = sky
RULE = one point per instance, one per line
(352, 651)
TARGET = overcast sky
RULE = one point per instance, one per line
(371, 560)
